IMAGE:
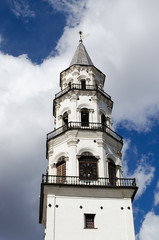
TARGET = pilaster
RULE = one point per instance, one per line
(72, 146)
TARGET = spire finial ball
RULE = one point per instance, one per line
(80, 33)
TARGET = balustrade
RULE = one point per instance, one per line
(72, 180)
(85, 126)
(81, 87)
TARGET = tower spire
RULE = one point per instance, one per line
(81, 57)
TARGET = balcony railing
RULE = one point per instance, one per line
(72, 180)
(81, 87)
(84, 126)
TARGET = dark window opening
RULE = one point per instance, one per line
(112, 172)
(89, 220)
(84, 117)
(65, 118)
(83, 84)
(69, 84)
(103, 119)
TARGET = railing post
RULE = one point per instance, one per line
(134, 182)
(47, 177)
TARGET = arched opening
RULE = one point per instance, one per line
(112, 172)
(88, 166)
(83, 84)
(65, 118)
(69, 84)
(61, 170)
(84, 117)
(103, 119)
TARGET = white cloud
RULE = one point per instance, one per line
(149, 228)
(26, 93)
(156, 195)
(143, 173)
(126, 146)
(72, 8)
(21, 9)
(124, 45)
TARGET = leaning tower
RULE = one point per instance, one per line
(84, 195)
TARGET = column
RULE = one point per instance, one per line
(57, 115)
(72, 144)
(95, 116)
(73, 101)
(107, 168)
(101, 152)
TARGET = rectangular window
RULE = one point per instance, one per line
(89, 220)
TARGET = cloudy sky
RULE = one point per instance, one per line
(37, 41)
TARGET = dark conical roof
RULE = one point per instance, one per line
(81, 56)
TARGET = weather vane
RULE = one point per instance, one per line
(82, 36)
(80, 33)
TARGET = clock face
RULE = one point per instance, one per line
(87, 169)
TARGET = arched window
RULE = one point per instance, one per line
(112, 172)
(88, 166)
(65, 118)
(103, 119)
(61, 170)
(84, 117)
(69, 84)
(83, 84)
(87, 154)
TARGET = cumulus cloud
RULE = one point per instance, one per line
(124, 45)
(144, 171)
(21, 9)
(144, 174)
(156, 195)
(26, 92)
(149, 228)
(72, 8)
(125, 148)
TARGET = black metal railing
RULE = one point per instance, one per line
(81, 87)
(84, 126)
(72, 180)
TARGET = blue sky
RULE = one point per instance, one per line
(37, 41)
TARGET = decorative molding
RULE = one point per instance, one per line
(59, 117)
(53, 165)
(72, 142)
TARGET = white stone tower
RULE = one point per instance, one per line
(84, 195)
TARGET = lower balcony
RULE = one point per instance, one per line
(84, 126)
(72, 180)
(77, 188)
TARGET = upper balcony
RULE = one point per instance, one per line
(84, 126)
(74, 180)
(82, 87)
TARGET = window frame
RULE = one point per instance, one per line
(89, 224)
(61, 170)
(83, 84)
(84, 117)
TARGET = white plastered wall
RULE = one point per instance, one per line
(113, 218)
